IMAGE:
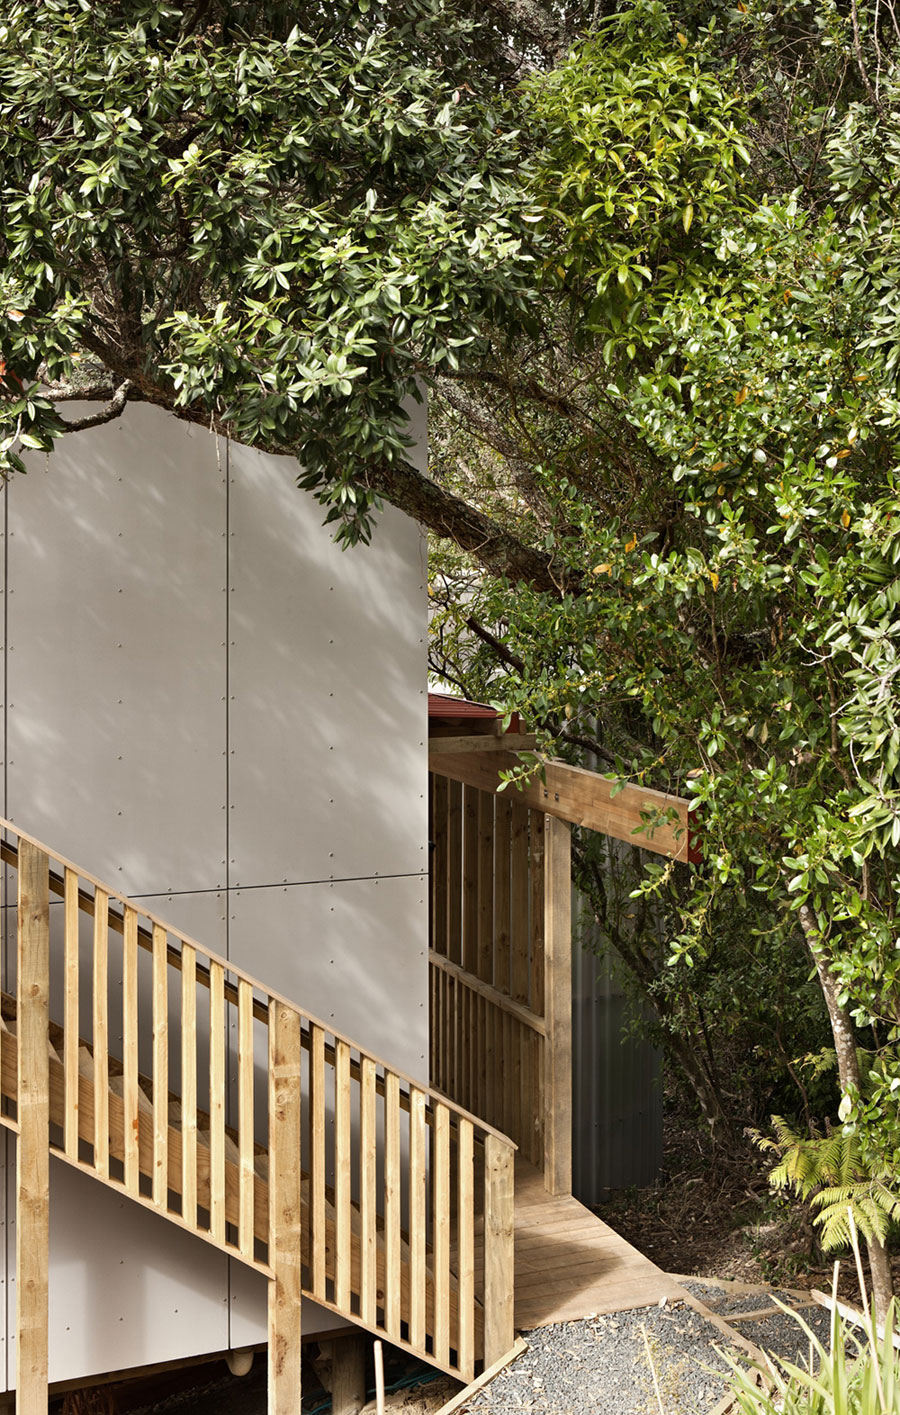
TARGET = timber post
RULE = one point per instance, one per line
(33, 1157)
(499, 1249)
(284, 1319)
(558, 1006)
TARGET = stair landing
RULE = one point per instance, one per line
(570, 1264)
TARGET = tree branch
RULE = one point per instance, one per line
(441, 511)
(114, 409)
(92, 394)
(499, 647)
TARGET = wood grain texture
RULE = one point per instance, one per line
(392, 1182)
(470, 880)
(100, 1007)
(317, 1157)
(440, 1167)
(558, 1007)
(580, 797)
(70, 1012)
(246, 1104)
(160, 1068)
(520, 940)
(499, 1228)
(417, 1218)
(368, 1198)
(465, 1247)
(342, 1176)
(485, 959)
(130, 1050)
(217, 1083)
(189, 1085)
(33, 1152)
(570, 1264)
(285, 1196)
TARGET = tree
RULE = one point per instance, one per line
(707, 444)
(272, 219)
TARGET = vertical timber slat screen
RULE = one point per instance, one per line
(488, 1030)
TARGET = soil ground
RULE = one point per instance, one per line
(714, 1215)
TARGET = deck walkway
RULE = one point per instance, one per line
(570, 1264)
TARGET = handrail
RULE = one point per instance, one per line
(9, 855)
(387, 1240)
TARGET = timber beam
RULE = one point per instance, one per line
(581, 797)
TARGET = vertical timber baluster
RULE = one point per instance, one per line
(317, 1158)
(189, 1084)
(499, 1321)
(392, 1277)
(285, 1259)
(417, 1197)
(502, 847)
(131, 1116)
(217, 1102)
(441, 1236)
(33, 1150)
(246, 1148)
(454, 872)
(465, 1243)
(557, 1006)
(519, 900)
(101, 1032)
(343, 1257)
(536, 874)
(439, 864)
(470, 880)
(485, 961)
(160, 1069)
(70, 1014)
(367, 1193)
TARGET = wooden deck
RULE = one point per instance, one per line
(570, 1264)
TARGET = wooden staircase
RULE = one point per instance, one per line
(321, 1166)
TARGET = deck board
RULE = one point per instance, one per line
(570, 1264)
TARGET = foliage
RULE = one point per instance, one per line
(830, 1171)
(278, 219)
(708, 450)
(868, 1383)
(642, 138)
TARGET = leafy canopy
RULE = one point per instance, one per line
(276, 218)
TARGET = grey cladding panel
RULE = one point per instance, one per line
(328, 710)
(116, 719)
(351, 953)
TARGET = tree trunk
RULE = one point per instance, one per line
(848, 1075)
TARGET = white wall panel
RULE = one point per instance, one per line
(116, 661)
(126, 1287)
(248, 1310)
(128, 665)
(328, 713)
(353, 953)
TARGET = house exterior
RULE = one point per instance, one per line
(266, 1068)
(207, 704)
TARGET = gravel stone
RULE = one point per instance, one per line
(599, 1367)
(727, 1303)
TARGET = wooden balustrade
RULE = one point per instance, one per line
(500, 967)
(488, 1035)
(323, 1167)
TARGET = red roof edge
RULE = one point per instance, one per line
(442, 706)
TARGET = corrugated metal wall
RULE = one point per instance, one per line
(617, 1090)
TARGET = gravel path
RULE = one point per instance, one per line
(599, 1367)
